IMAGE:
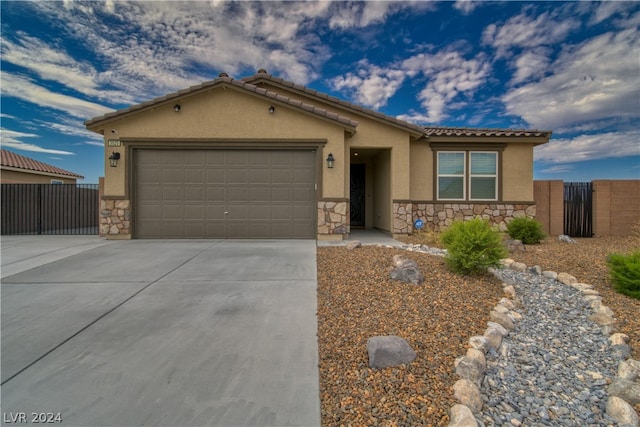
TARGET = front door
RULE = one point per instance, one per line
(357, 195)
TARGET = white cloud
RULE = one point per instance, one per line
(589, 147)
(448, 75)
(595, 80)
(13, 139)
(558, 169)
(531, 64)
(466, 6)
(523, 31)
(371, 85)
(23, 88)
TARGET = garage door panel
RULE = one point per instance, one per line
(185, 194)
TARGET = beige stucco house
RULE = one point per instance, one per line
(262, 157)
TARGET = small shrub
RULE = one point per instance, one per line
(527, 230)
(624, 271)
(472, 246)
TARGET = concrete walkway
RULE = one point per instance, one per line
(171, 333)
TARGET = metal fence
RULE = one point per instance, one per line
(50, 209)
(578, 209)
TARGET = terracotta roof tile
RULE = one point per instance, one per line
(14, 160)
(456, 131)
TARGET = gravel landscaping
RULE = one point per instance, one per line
(358, 300)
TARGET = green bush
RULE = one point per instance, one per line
(527, 230)
(472, 246)
(625, 273)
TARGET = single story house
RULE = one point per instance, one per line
(263, 157)
(17, 169)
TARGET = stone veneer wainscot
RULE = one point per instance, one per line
(438, 216)
(332, 217)
(115, 218)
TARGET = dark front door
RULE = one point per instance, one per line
(357, 195)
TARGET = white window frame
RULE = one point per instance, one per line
(495, 176)
(464, 175)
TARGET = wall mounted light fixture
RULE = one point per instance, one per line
(272, 109)
(113, 159)
(330, 161)
(177, 108)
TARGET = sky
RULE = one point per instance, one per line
(569, 67)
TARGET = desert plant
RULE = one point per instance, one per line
(624, 270)
(527, 230)
(472, 246)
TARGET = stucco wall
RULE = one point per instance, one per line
(16, 177)
(421, 161)
(517, 173)
(226, 114)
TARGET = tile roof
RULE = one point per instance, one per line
(263, 75)
(251, 84)
(13, 160)
(345, 121)
(458, 131)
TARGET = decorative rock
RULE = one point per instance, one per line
(461, 416)
(354, 244)
(470, 368)
(621, 351)
(602, 319)
(510, 291)
(477, 355)
(406, 271)
(590, 292)
(566, 239)
(518, 266)
(582, 286)
(550, 274)
(494, 337)
(603, 309)
(507, 303)
(619, 339)
(514, 246)
(625, 389)
(468, 394)
(499, 327)
(567, 279)
(507, 262)
(622, 412)
(390, 350)
(536, 270)
(629, 370)
(503, 319)
(479, 342)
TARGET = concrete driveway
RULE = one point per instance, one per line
(170, 333)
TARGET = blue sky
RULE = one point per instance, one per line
(570, 67)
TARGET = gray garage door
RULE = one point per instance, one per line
(224, 194)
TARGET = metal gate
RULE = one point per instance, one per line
(578, 209)
(50, 209)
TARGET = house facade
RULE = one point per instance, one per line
(262, 157)
(17, 169)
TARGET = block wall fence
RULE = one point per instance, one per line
(616, 206)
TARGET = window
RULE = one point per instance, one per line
(483, 179)
(57, 181)
(461, 172)
(451, 172)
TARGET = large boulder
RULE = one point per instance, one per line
(625, 389)
(461, 416)
(389, 350)
(622, 412)
(406, 270)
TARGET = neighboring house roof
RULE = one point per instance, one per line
(13, 161)
(346, 122)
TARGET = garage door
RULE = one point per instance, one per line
(224, 193)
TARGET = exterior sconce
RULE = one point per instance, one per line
(272, 109)
(177, 108)
(113, 159)
(330, 161)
